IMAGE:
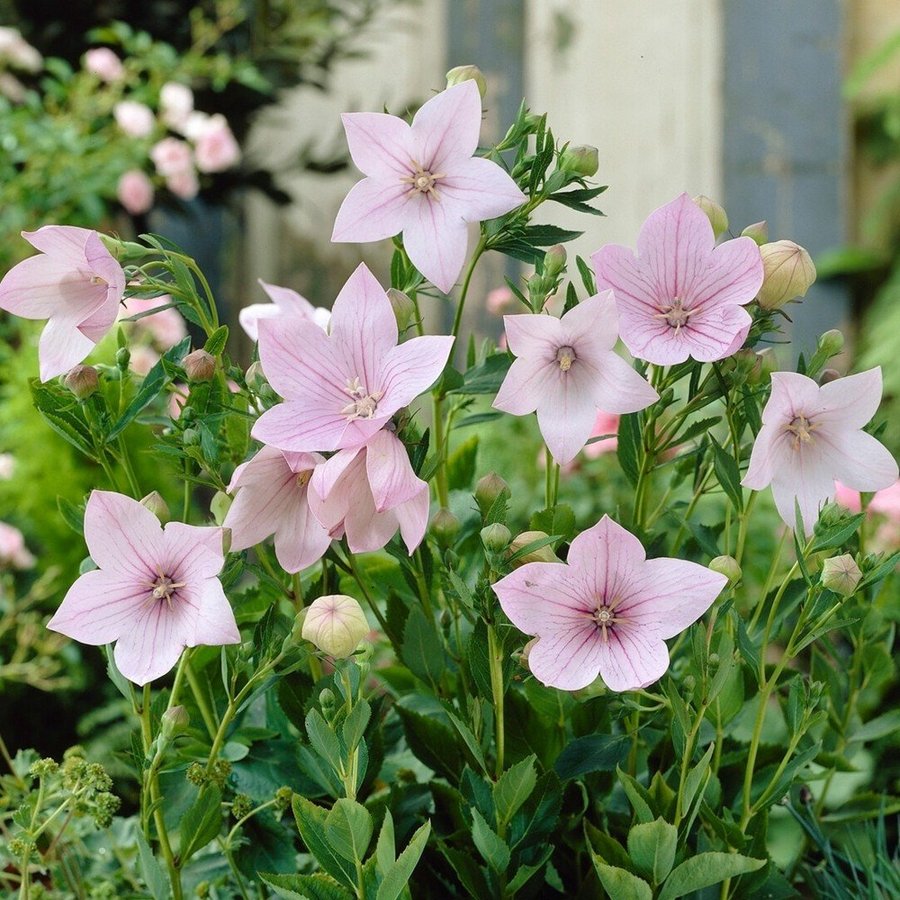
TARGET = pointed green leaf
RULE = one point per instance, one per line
(493, 849)
(651, 846)
(311, 824)
(401, 871)
(705, 869)
(348, 827)
(620, 884)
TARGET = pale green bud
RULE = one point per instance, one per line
(199, 366)
(831, 342)
(582, 160)
(555, 259)
(758, 232)
(335, 624)
(727, 566)
(789, 272)
(445, 527)
(155, 503)
(403, 307)
(174, 721)
(542, 554)
(488, 490)
(459, 74)
(716, 214)
(219, 506)
(841, 574)
(82, 381)
(495, 537)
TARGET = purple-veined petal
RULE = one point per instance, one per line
(64, 242)
(123, 536)
(153, 645)
(293, 426)
(61, 346)
(41, 287)
(792, 395)
(859, 460)
(566, 413)
(411, 368)
(534, 335)
(771, 452)
(852, 400)
(568, 659)
(379, 144)
(606, 558)
(528, 382)
(612, 384)
(593, 323)
(301, 539)
(649, 337)
(390, 473)
(374, 209)
(446, 128)
(716, 332)
(412, 517)
(632, 659)
(481, 189)
(631, 282)
(540, 598)
(192, 552)
(435, 237)
(734, 275)
(809, 481)
(212, 617)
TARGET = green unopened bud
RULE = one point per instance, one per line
(495, 537)
(555, 259)
(831, 343)
(727, 566)
(582, 160)
(490, 489)
(403, 307)
(542, 554)
(789, 272)
(199, 366)
(841, 574)
(255, 377)
(765, 365)
(688, 683)
(758, 231)
(445, 527)
(283, 797)
(190, 437)
(155, 503)
(123, 358)
(123, 251)
(327, 702)
(174, 721)
(714, 660)
(829, 375)
(717, 216)
(219, 506)
(459, 74)
(335, 624)
(82, 381)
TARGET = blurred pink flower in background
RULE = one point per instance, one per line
(13, 552)
(143, 359)
(215, 147)
(17, 53)
(103, 63)
(605, 423)
(135, 119)
(135, 192)
(183, 184)
(884, 506)
(500, 300)
(172, 156)
(165, 328)
(286, 306)
(176, 103)
(7, 466)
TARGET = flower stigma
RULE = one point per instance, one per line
(423, 181)
(565, 356)
(363, 405)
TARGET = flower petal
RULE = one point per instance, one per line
(61, 346)
(771, 453)
(852, 400)
(481, 189)
(606, 559)
(390, 473)
(566, 413)
(436, 238)
(192, 552)
(528, 382)
(632, 659)
(734, 275)
(123, 536)
(542, 598)
(380, 144)
(374, 209)
(569, 660)
(412, 517)
(411, 368)
(212, 616)
(154, 643)
(632, 283)
(293, 426)
(716, 332)
(809, 482)
(593, 323)
(447, 127)
(40, 287)
(613, 385)
(860, 461)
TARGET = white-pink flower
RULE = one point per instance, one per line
(605, 424)
(341, 388)
(176, 103)
(166, 327)
(271, 498)
(13, 552)
(215, 147)
(367, 493)
(812, 436)
(184, 184)
(423, 180)
(156, 590)
(681, 296)
(135, 119)
(135, 192)
(17, 52)
(172, 156)
(606, 611)
(286, 306)
(103, 63)
(566, 370)
(75, 283)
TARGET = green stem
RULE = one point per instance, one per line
(200, 699)
(357, 575)
(125, 458)
(441, 482)
(495, 659)
(551, 481)
(457, 319)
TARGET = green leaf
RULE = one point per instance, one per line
(548, 235)
(60, 413)
(305, 887)
(880, 727)
(461, 465)
(559, 519)
(638, 796)
(200, 823)
(151, 871)
(355, 724)
(728, 474)
(493, 849)
(323, 739)
(485, 378)
(216, 342)
(349, 826)
(837, 535)
(651, 846)
(592, 753)
(620, 884)
(705, 869)
(311, 824)
(587, 275)
(514, 788)
(695, 777)
(629, 450)
(401, 871)
(71, 514)
(422, 649)
(385, 848)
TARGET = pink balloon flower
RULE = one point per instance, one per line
(566, 370)
(271, 498)
(286, 306)
(74, 283)
(155, 591)
(341, 388)
(812, 436)
(424, 180)
(681, 296)
(368, 492)
(607, 611)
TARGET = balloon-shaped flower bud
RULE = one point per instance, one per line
(841, 574)
(831, 342)
(495, 537)
(219, 506)
(541, 554)
(445, 527)
(82, 381)
(758, 232)
(255, 376)
(459, 74)
(155, 503)
(789, 272)
(403, 307)
(199, 366)
(174, 721)
(488, 490)
(335, 624)
(555, 259)
(727, 566)
(716, 214)
(582, 160)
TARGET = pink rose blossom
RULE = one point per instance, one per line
(367, 493)
(155, 592)
(607, 611)
(343, 387)
(165, 328)
(176, 103)
(423, 180)
(681, 296)
(605, 423)
(566, 370)
(135, 192)
(271, 498)
(172, 156)
(135, 119)
(74, 283)
(286, 306)
(812, 436)
(13, 552)
(103, 63)
(215, 148)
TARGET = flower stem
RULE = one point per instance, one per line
(464, 291)
(495, 659)
(551, 483)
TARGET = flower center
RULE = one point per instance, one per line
(164, 588)
(363, 405)
(565, 356)
(96, 279)
(422, 181)
(303, 478)
(802, 429)
(605, 618)
(674, 314)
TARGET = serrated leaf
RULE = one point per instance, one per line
(348, 827)
(401, 871)
(651, 846)
(592, 753)
(323, 739)
(837, 535)
(705, 869)
(493, 849)
(385, 848)
(728, 474)
(311, 824)
(559, 520)
(216, 342)
(514, 787)
(620, 884)
(305, 887)
(422, 649)
(151, 871)
(200, 823)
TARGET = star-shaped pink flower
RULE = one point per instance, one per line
(368, 492)
(607, 611)
(272, 498)
(74, 283)
(812, 436)
(155, 591)
(286, 306)
(681, 296)
(566, 370)
(423, 180)
(341, 388)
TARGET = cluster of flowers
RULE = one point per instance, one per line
(16, 56)
(188, 142)
(608, 609)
